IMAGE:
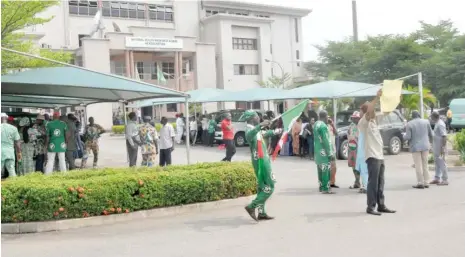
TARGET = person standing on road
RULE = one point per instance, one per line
(167, 136)
(37, 136)
(374, 154)
(92, 134)
(419, 135)
(10, 145)
(332, 136)
(352, 138)
(260, 162)
(149, 148)
(360, 164)
(228, 137)
(439, 151)
(180, 127)
(72, 146)
(204, 135)
(211, 131)
(324, 152)
(56, 141)
(132, 139)
(449, 118)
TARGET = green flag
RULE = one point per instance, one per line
(160, 76)
(291, 115)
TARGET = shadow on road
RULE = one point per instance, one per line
(220, 223)
(318, 217)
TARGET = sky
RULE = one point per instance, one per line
(332, 19)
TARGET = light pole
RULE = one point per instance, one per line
(282, 70)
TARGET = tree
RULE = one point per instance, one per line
(16, 16)
(412, 102)
(436, 50)
(275, 81)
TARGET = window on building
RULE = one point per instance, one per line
(154, 71)
(80, 37)
(244, 43)
(246, 69)
(119, 68)
(296, 27)
(160, 12)
(297, 54)
(172, 107)
(83, 7)
(256, 105)
(168, 69)
(140, 69)
(271, 48)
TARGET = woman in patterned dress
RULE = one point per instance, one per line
(352, 138)
(27, 148)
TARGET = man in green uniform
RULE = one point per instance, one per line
(56, 142)
(211, 131)
(260, 161)
(10, 144)
(324, 153)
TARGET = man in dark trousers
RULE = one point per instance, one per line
(374, 152)
(166, 142)
(132, 139)
(228, 137)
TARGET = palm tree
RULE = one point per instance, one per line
(412, 102)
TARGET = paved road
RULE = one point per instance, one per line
(429, 222)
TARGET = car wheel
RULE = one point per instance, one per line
(344, 150)
(239, 139)
(395, 145)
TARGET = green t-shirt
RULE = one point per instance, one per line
(56, 131)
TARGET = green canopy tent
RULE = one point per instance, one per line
(335, 90)
(81, 83)
(252, 95)
(43, 101)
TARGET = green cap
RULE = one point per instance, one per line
(248, 115)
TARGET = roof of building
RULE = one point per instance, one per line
(263, 8)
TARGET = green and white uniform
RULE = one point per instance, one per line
(323, 153)
(262, 166)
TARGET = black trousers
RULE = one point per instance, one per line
(70, 158)
(132, 154)
(375, 188)
(40, 161)
(230, 150)
(165, 157)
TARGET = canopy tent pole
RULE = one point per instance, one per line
(269, 107)
(125, 125)
(420, 90)
(187, 134)
(153, 112)
(334, 112)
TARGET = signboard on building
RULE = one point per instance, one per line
(151, 42)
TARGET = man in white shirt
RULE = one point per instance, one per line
(132, 139)
(166, 142)
(180, 128)
(374, 156)
(193, 130)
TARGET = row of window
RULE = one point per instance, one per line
(122, 10)
(246, 69)
(149, 70)
(210, 12)
(244, 44)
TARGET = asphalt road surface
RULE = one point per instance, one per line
(429, 222)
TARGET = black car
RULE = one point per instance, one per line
(391, 126)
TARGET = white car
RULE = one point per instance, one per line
(239, 127)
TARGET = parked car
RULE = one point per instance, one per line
(457, 106)
(392, 127)
(239, 127)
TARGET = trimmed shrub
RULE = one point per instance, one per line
(119, 129)
(79, 194)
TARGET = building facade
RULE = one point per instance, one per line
(182, 45)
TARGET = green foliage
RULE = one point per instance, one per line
(275, 81)
(438, 51)
(78, 194)
(119, 129)
(459, 141)
(16, 16)
(412, 102)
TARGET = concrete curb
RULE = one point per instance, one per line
(117, 135)
(449, 168)
(58, 225)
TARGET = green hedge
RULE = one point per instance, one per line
(77, 194)
(119, 129)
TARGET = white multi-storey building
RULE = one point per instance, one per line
(197, 44)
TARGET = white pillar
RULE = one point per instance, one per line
(188, 132)
(420, 89)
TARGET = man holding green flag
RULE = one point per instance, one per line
(324, 153)
(260, 161)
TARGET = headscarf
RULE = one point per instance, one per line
(24, 122)
(247, 115)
